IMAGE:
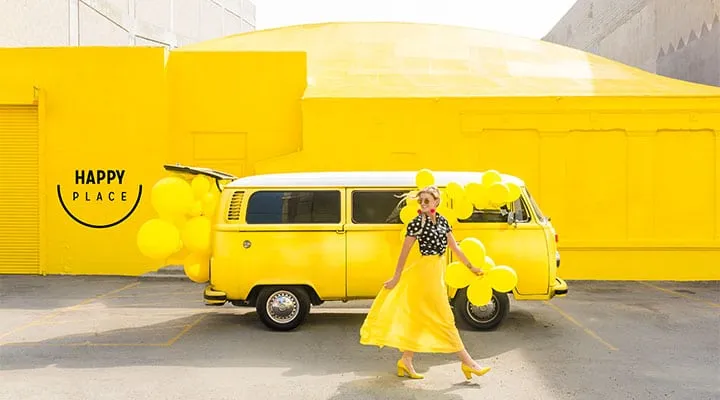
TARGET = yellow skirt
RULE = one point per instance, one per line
(415, 315)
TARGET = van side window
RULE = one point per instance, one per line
(485, 215)
(377, 207)
(294, 207)
(535, 207)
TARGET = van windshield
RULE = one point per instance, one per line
(540, 215)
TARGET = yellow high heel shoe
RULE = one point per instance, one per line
(402, 370)
(468, 371)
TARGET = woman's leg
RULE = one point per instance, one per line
(464, 356)
(407, 358)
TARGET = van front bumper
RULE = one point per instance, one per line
(560, 288)
(214, 297)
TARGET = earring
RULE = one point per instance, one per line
(419, 211)
(432, 211)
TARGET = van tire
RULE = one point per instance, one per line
(463, 307)
(296, 298)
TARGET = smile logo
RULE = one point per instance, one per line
(99, 198)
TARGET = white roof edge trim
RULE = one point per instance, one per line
(356, 179)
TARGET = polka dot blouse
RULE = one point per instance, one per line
(433, 238)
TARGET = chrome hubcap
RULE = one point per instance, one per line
(282, 307)
(483, 314)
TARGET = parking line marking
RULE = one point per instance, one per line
(154, 294)
(587, 330)
(62, 310)
(674, 293)
(185, 331)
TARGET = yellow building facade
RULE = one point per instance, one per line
(626, 163)
(74, 123)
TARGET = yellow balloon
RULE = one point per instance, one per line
(503, 278)
(489, 264)
(491, 176)
(514, 191)
(444, 198)
(209, 203)
(473, 190)
(178, 257)
(424, 178)
(158, 239)
(196, 209)
(448, 213)
(498, 193)
(196, 234)
(458, 275)
(179, 220)
(200, 185)
(171, 196)
(483, 204)
(197, 267)
(479, 292)
(477, 194)
(463, 208)
(455, 190)
(182, 175)
(409, 212)
(473, 249)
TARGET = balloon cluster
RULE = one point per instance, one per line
(479, 288)
(182, 227)
(459, 202)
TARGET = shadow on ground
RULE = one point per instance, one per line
(392, 388)
(326, 344)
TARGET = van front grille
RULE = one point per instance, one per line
(233, 213)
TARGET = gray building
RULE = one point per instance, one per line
(675, 38)
(166, 23)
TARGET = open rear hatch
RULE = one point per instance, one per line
(209, 172)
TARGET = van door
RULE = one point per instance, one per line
(374, 235)
(522, 246)
(285, 236)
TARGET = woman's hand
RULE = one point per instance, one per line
(476, 271)
(392, 282)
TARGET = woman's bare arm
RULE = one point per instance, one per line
(407, 246)
(452, 243)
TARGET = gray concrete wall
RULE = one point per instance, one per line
(675, 38)
(167, 23)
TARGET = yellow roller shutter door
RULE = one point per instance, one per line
(19, 184)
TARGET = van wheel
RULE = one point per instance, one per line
(282, 308)
(483, 318)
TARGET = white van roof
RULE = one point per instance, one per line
(359, 179)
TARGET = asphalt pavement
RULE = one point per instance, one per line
(151, 338)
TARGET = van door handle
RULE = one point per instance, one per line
(340, 231)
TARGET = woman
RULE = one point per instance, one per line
(411, 312)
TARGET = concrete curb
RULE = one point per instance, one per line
(169, 272)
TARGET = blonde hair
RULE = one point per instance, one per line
(432, 190)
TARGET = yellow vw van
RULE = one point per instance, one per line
(285, 242)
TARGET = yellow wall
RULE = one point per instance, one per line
(631, 185)
(99, 109)
(231, 110)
